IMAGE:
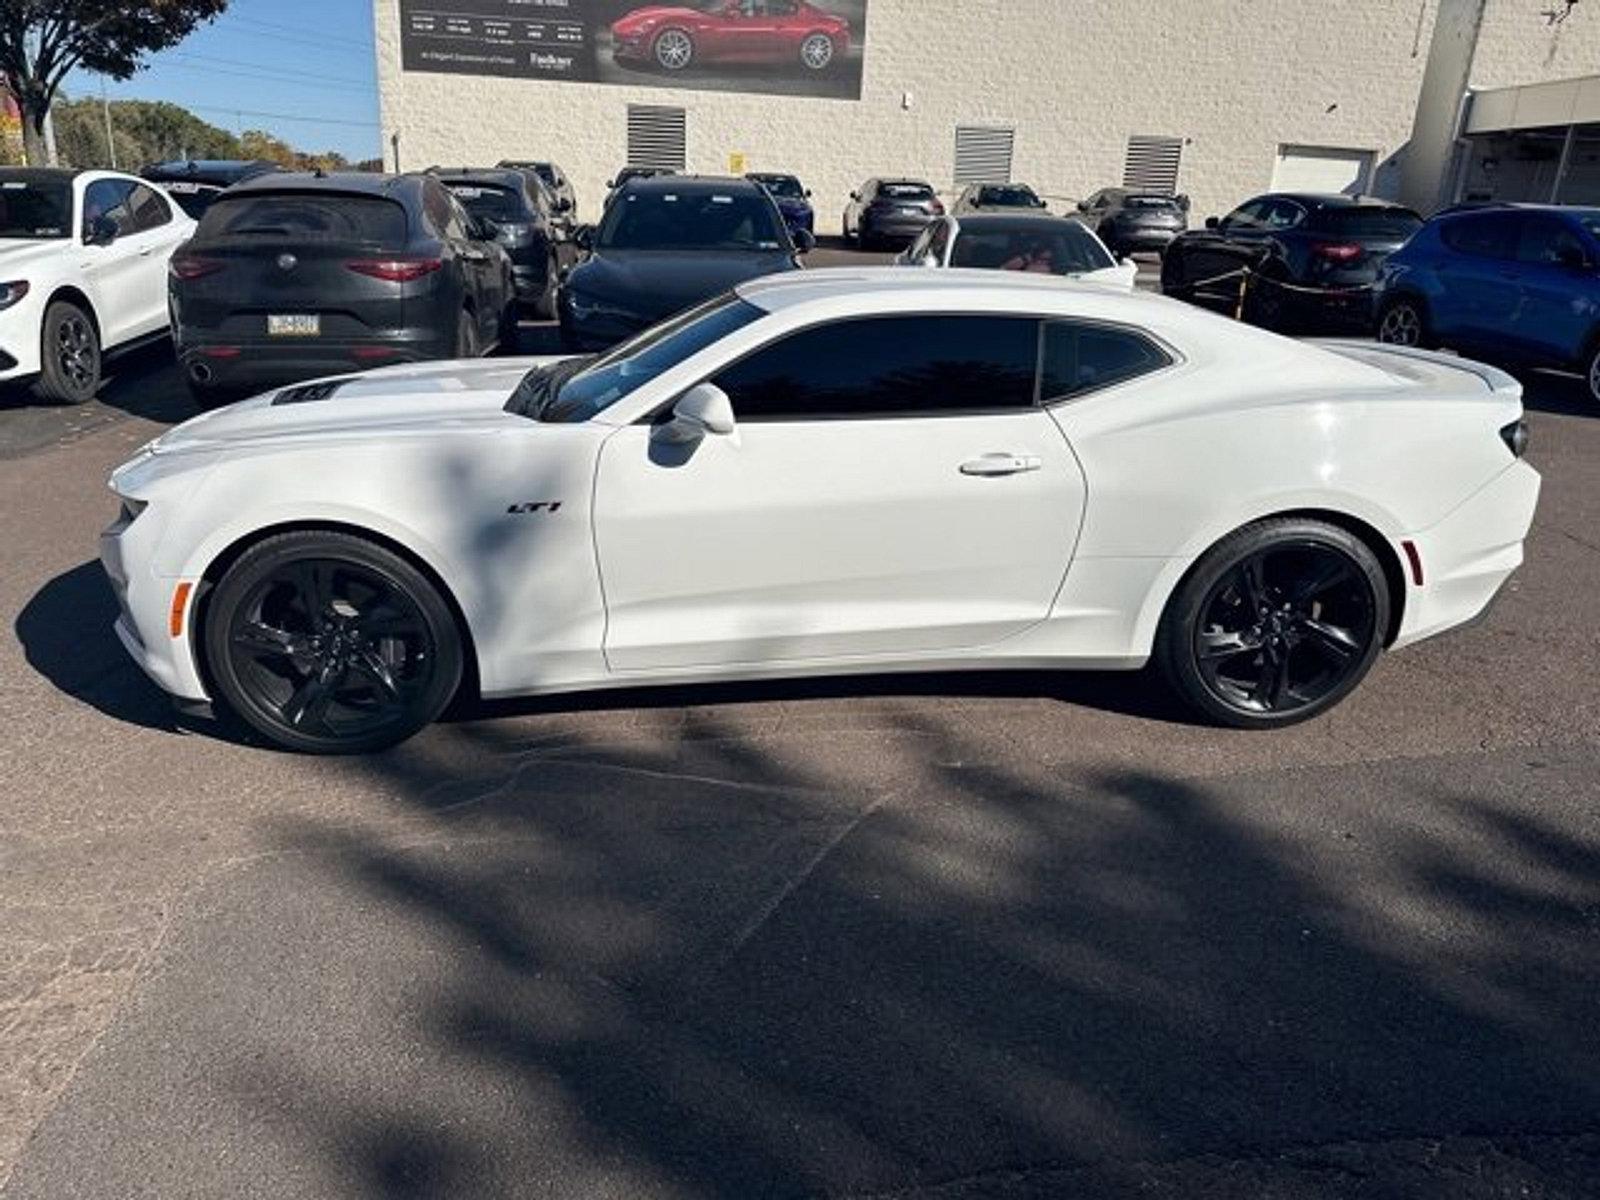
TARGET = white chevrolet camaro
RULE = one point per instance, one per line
(822, 473)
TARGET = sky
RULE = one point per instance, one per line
(303, 70)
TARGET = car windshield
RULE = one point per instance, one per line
(905, 191)
(574, 391)
(312, 216)
(1056, 251)
(1010, 197)
(786, 186)
(1388, 223)
(487, 200)
(692, 219)
(193, 198)
(35, 208)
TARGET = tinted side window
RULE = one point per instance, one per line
(150, 211)
(1247, 216)
(108, 198)
(1547, 240)
(436, 207)
(1283, 214)
(1486, 235)
(889, 366)
(1081, 358)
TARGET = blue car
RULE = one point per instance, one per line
(793, 200)
(1511, 283)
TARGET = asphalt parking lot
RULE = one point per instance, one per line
(952, 937)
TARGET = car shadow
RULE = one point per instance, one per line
(66, 635)
(142, 382)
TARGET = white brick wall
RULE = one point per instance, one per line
(1075, 77)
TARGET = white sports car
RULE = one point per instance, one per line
(822, 473)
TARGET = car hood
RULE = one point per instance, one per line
(428, 398)
(18, 252)
(658, 283)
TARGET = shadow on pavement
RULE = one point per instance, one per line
(66, 634)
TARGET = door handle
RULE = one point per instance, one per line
(991, 465)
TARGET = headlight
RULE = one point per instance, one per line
(10, 293)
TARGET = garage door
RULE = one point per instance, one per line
(1322, 169)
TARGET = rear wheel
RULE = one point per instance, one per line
(1402, 322)
(1592, 373)
(69, 362)
(326, 643)
(816, 52)
(1276, 624)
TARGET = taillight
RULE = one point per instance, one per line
(1515, 436)
(1339, 252)
(395, 270)
(189, 267)
(938, 209)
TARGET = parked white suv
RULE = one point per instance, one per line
(83, 271)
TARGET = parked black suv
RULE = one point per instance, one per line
(554, 179)
(292, 276)
(517, 208)
(1128, 222)
(195, 183)
(1314, 259)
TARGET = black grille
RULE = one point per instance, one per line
(309, 393)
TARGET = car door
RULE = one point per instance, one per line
(1479, 281)
(891, 490)
(1555, 314)
(117, 274)
(157, 231)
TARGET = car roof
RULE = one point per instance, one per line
(692, 183)
(40, 174)
(1457, 210)
(207, 170)
(1014, 219)
(1330, 200)
(503, 176)
(364, 182)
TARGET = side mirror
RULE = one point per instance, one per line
(583, 237)
(102, 231)
(701, 411)
(1572, 258)
(805, 241)
(1213, 223)
(1083, 206)
(611, 184)
(808, 193)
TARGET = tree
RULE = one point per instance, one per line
(147, 131)
(42, 40)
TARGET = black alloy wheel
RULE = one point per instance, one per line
(327, 643)
(69, 364)
(1276, 624)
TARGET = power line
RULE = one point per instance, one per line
(274, 116)
(341, 47)
(300, 30)
(269, 72)
(310, 83)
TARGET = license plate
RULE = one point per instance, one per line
(294, 325)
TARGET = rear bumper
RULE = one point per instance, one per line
(262, 364)
(893, 226)
(1137, 237)
(1468, 556)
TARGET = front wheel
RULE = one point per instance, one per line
(1275, 624)
(674, 49)
(1592, 375)
(326, 643)
(69, 361)
(816, 52)
(1403, 323)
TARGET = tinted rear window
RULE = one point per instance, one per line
(314, 216)
(1163, 203)
(487, 200)
(1395, 223)
(1059, 250)
(905, 191)
(1009, 197)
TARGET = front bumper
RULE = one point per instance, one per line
(1468, 556)
(630, 48)
(145, 609)
(21, 327)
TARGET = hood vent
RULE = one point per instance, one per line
(308, 393)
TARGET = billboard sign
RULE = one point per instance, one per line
(783, 47)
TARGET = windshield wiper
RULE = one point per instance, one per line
(541, 386)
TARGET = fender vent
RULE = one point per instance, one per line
(308, 393)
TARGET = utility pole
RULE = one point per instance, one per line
(111, 140)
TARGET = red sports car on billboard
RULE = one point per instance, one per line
(675, 37)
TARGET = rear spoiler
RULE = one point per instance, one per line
(1422, 364)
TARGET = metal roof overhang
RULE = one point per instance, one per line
(1535, 106)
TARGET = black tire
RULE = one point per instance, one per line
(1404, 312)
(1171, 285)
(466, 335)
(326, 643)
(1266, 303)
(1275, 624)
(69, 355)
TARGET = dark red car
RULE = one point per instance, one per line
(675, 37)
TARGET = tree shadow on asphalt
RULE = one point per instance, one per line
(709, 970)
